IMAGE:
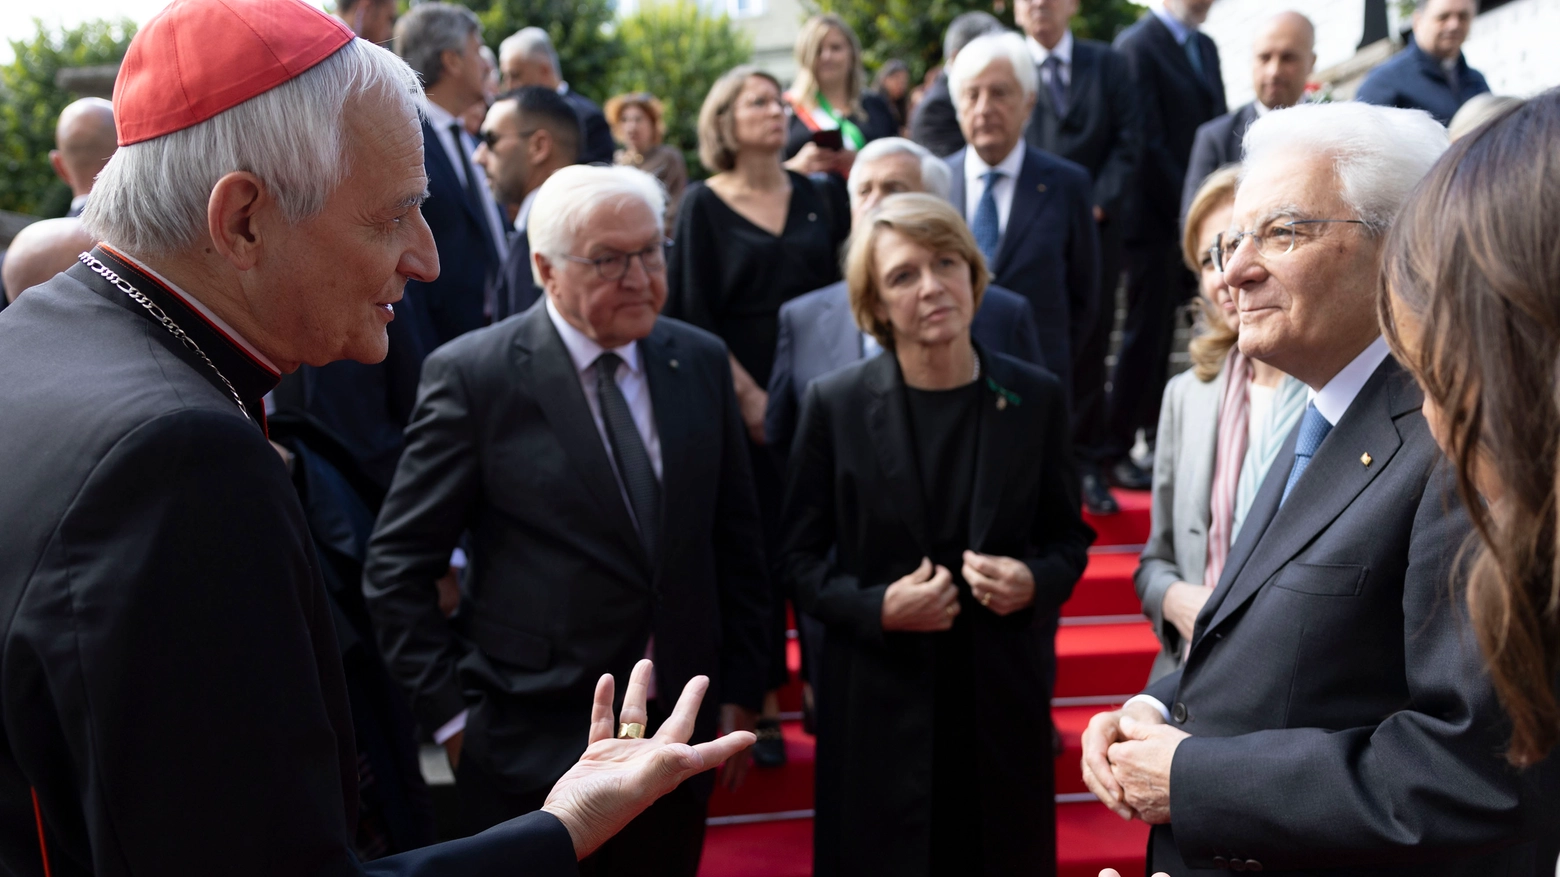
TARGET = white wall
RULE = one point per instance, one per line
(1513, 46)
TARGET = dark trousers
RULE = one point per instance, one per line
(1157, 284)
(1090, 419)
(664, 841)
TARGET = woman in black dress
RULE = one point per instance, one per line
(932, 524)
(750, 238)
(829, 94)
(1472, 307)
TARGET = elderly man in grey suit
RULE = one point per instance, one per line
(1333, 714)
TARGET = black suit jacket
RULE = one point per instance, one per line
(515, 289)
(855, 521)
(935, 122)
(1175, 100)
(596, 146)
(1217, 144)
(1050, 251)
(1101, 131)
(1341, 716)
(468, 256)
(158, 586)
(560, 589)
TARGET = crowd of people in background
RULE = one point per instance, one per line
(858, 369)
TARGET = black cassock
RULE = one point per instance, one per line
(171, 690)
(934, 750)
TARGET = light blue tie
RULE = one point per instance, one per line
(1313, 428)
(1193, 53)
(984, 225)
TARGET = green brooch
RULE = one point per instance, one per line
(1005, 397)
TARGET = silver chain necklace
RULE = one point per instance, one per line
(167, 322)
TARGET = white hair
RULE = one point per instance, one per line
(573, 194)
(1379, 153)
(533, 44)
(151, 198)
(987, 49)
(936, 179)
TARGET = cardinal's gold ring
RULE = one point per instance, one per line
(630, 731)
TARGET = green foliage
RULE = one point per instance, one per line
(912, 30)
(580, 31)
(675, 51)
(30, 104)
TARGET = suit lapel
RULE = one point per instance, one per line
(543, 362)
(1177, 55)
(1331, 483)
(840, 329)
(889, 425)
(438, 163)
(1001, 429)
(956, 194)
(675, 423)
(1083, 62)
(1029, 196)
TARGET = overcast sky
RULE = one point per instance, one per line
(16, 16)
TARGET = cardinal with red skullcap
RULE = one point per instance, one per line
(171, 687)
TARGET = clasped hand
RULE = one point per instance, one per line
(1126, 761)
(927, 600)
(615, 780)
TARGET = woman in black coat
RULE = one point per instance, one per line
(932, 523)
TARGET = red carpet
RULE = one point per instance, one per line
(1104, 650)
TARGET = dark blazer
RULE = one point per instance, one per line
(1217, 144)
(1050, 251)
(1341, 716)
(560, 589)
(856, 521)
(818, 335)
(158, 586)
(1101, 131)
(1414, 80)
(468, 256)
(596, 147)
(935, 122)
(514, 288)
(1175, 100)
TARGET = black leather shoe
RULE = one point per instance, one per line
(769, 751)
(1131, 476)
(1097, 500)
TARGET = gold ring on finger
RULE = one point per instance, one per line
(985, 599)
(631, 731)
(953, 609)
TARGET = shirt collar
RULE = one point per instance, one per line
(77, 203)
(1263, 109)
(975, 167)
(199, 307)
(1335, 397)
(1178, 28)
(440, 118)
(582, 349)
(1063, 49)
(524, 213)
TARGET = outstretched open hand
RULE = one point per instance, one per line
(615, 780)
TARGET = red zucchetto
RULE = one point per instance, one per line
(197, 58)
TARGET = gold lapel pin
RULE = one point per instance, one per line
(672, 363)
(1001, 403)
(1365, 459)
(1040, 188)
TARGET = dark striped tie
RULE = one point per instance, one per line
(628, 449)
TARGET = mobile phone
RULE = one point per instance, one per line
(829, 139)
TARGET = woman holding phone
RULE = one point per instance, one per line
(833, 115)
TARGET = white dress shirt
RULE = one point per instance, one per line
(1063, 50)
(1332, 401)
(523, 215)
(630, 379)
(440, 120)
(1002, 190)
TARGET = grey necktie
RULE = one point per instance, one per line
(1057, 86)
(628, 449)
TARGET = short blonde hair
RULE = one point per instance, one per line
(809, 45)
(1214, 337)
(928, 221)
(717, 121)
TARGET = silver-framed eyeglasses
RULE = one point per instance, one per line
(614, 266)
(1277, 240)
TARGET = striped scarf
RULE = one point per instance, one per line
(1229, 453)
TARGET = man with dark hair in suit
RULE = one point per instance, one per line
(1031, 213)
(935, 123)
(373, 20)
(528, 134)
(1086, 111)
(1334, 715)
(596, 454)
(1176, 71)
(1430, 73)
(1283, 53)
(527, 57)
(83, 143)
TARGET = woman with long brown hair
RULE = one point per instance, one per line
(1471, 305)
